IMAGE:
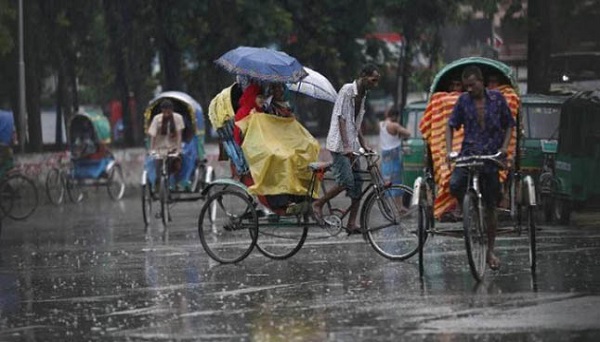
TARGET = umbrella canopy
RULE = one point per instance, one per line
(315, 85)
(262, 64)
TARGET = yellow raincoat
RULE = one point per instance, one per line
(278, 151)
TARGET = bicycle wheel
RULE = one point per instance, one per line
(116, 184)
(532, 243)
(391, 231)
(232, 234)
(19, 196)
(163, 195)
(146, 204)
(475, 234)
(74, 190)
(55, 186)
(281, 241)
(423, 228)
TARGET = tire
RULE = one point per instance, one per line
(55, 186)
(547, 202)
(116, 183)
(475, 235)
(19, 197)
(391, 233)
(74, 190)
(163, 195)
(532, 243)
(146, 204)
(281, 241)
(562, 211)
(232, 235)
(423, 228)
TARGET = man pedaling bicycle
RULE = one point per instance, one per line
(345, 137)
(165, 132)
(488, 124)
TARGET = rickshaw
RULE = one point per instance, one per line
(413, 148)
(246, 218)
(576, 185)
(18, 193)
(91, 162)
(540, 116)
(194, 171)
(431, 192)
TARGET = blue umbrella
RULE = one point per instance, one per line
(262, 64)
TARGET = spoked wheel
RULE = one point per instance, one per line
(55, 186)
(116, 183)
(475, 235)
(532, 243)
(232, 234)
(391, 228)
(18, 196)
(74, 190)
(146, 204)
(280, 240)
(163, 194)
(423, 227)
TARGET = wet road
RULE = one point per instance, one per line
(89, 272)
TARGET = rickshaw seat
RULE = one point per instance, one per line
(320, 166)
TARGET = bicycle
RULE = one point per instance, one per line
(234, 231)
(18, 195)
(474, 227)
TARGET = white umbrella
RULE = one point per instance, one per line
(315, 85)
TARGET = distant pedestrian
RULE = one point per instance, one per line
(391, 134)
(345, 137)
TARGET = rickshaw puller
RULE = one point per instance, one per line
(165, 132)
(488, 124)
(343, 138)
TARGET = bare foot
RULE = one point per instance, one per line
(493, 261)
(353, 230)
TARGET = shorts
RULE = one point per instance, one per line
(345, 175)
(489, 183)
(391, 168)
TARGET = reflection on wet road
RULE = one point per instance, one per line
(89, 272)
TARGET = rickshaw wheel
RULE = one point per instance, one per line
(19, 197)
(146, 204)
(562, 211)
(475, 235)
(55, 186)
(532, 243)
(423, 227)
(390, 231)
(116, 184)
(228, 234)
(74, 190)
(282, 241)
(163, 194)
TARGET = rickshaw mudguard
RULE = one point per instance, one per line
(226, 182)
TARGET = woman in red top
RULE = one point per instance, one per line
(251, 99)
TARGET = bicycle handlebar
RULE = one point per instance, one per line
(465, 160)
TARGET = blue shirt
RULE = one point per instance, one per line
(497, 117)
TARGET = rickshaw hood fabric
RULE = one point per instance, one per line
(7, 127)
(99, 122)
(278, 151)
(220, 109)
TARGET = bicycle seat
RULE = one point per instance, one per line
(320, 166)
